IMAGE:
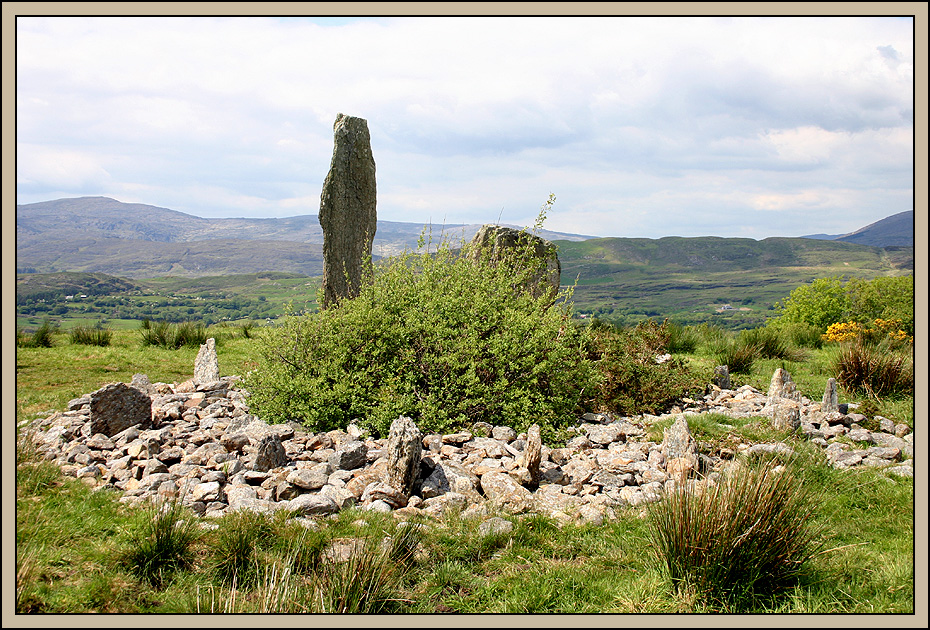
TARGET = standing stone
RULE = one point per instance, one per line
(206, 366)
(532, 455)
(679, 450)
(722, 377)
(404, 449)
(348, 210)
(116, 407)
(499, 242)
(830, 399)
(782, 386)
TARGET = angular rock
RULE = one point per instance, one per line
(722, 376)
(116, 407)
(312, 505)
(270, 453)
(350, 456)
(404, 451)
(348, 210)
(503, 490)
(679, 449)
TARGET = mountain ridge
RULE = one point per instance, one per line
(100, 234)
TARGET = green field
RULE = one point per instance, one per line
(72, 541)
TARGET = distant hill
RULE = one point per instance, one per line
(138, 241)
(99, 234)
(894, 231)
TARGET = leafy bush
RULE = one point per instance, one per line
(820, 303)
(886, 298)
(874, 369)
(745, 537)
(798, 334)
(173, 336)
(160, 543)
(90, 335)
(631, 380)
(831, 300)
(448, 339)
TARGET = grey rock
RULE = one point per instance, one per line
(116, 407)
(350, 456)
(404, 448)
(312, 505)
(348, 209)
(503, 245)
(270, 453)
(495, 526)
(308, 479)
(782, 386)
(532, 456)
(830, 400)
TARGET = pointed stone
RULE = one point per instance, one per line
(206, 366)
(782, 386)
(830, 398)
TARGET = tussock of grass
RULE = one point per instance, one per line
(90, 335)
(745, 537)
(160, 542)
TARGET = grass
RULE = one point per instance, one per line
(746, 537)
(71, 540)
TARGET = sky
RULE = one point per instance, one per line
(640, 126)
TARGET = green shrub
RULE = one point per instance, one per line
(798, 334)
(160, 542)
(447, 339)
(877, 370)
(744, 538)
(631, 380)
(831, 300)
(90, 335)
(820, 303)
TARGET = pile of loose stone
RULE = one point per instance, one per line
(197, 441)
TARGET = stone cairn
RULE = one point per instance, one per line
(197, 441)
(497, 241)
(348, 212)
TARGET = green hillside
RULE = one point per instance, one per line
(731, 282)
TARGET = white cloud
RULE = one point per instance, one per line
(651, 117)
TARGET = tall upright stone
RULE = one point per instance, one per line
(404, 450)
(830, 399)
(501, 243)
(206, 365)
(348, 210)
